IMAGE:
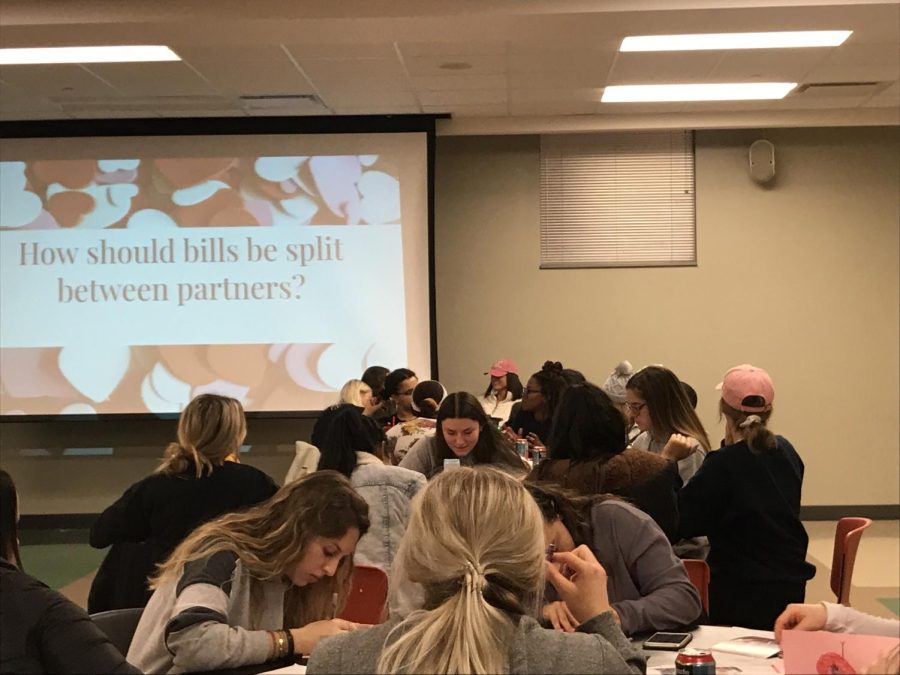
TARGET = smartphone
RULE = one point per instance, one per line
(670, 641)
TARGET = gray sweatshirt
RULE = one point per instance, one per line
(648, 586)
(205, 620)
(597, 647)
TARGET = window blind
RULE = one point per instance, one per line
(618, 200)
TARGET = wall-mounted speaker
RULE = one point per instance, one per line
(762, 161)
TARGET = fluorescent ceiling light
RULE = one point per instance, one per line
(123, 54)
(773, 40)
(649, 93)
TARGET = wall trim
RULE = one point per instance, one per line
(836, 512)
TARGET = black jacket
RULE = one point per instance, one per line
(748, 505)
(154, 516)
(43, 632)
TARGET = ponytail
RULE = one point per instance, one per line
(178, 459)
(752, 427)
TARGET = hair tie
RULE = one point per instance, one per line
(474, 579)
(750, 421)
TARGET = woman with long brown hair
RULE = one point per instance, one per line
(257, 585)
(199, 478)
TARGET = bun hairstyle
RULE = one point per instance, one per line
(210, 428)
(480, 562)
(552, 380)
(427, 397)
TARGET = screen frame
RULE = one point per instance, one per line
(236, 126)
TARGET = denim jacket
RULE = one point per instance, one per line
(388, 491)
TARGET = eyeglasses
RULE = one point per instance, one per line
(531, 391)
(636, 407)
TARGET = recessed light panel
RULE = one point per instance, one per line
(771, 40)
(655, 93)
(122, 54)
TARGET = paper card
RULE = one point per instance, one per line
(750, 645)
(831, 653)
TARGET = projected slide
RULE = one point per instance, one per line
(130, 285)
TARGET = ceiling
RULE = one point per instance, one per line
(496, 66)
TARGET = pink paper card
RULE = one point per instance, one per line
(827, 653)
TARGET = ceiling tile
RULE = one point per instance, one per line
(562, 79)
(441, 49)
(363, 75)
(554, 108)
(250, 71)
(767, 65)
(24, 115)
(540, 61)
(453, 98)
(574, 95)
(342, 51)
(458, 82)
(481, 64)
(168, 78)
(889, 98)
(488, 110)
(380, 110)
(61, 80)
(339, 97)
(662, 67)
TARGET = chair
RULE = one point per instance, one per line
(368, 596)
(698, 573)
(846, 543)
(119, 625)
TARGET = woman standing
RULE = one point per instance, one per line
(464, 434)
(746, 499)
(199, 478)
(660, 408)
(258, 585)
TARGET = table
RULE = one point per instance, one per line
(705, 637)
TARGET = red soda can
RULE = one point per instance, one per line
(694, 662)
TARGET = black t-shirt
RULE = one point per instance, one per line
(526, 421)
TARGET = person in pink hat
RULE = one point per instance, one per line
(503, 391)
(746, 499)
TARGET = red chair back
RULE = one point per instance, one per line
(368, 596)
(846, 543)
(698, 573)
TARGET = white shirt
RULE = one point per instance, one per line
(494, 408)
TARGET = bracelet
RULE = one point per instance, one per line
(274, 641)
(282, 644)
(290, 642)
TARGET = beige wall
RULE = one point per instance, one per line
(800, 278)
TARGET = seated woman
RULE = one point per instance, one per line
(475, 544)
(661, 409)
(41, 631)
(587, 454)
(533, 417)
(354, 447)
(649, 589)
(502, 391)
(746, 499)
(200, 477)
(464, 433)
(257, 585)
(426, 400)
(397, 394)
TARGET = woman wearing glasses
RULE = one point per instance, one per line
(534, 416)
(398, 389)
(660, 408)
(588, 454)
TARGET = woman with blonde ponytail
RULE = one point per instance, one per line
(746, 499)
(199, 478)
(475, 546)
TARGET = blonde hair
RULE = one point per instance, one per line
(475, 543)
(271, 538)
(210, 429)
(352, 392)
(751, 426)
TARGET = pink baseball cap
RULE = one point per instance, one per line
(502, 367)
(744, 381)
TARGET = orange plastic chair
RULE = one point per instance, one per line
(698, 573)
(846, 543)
(368, 596)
